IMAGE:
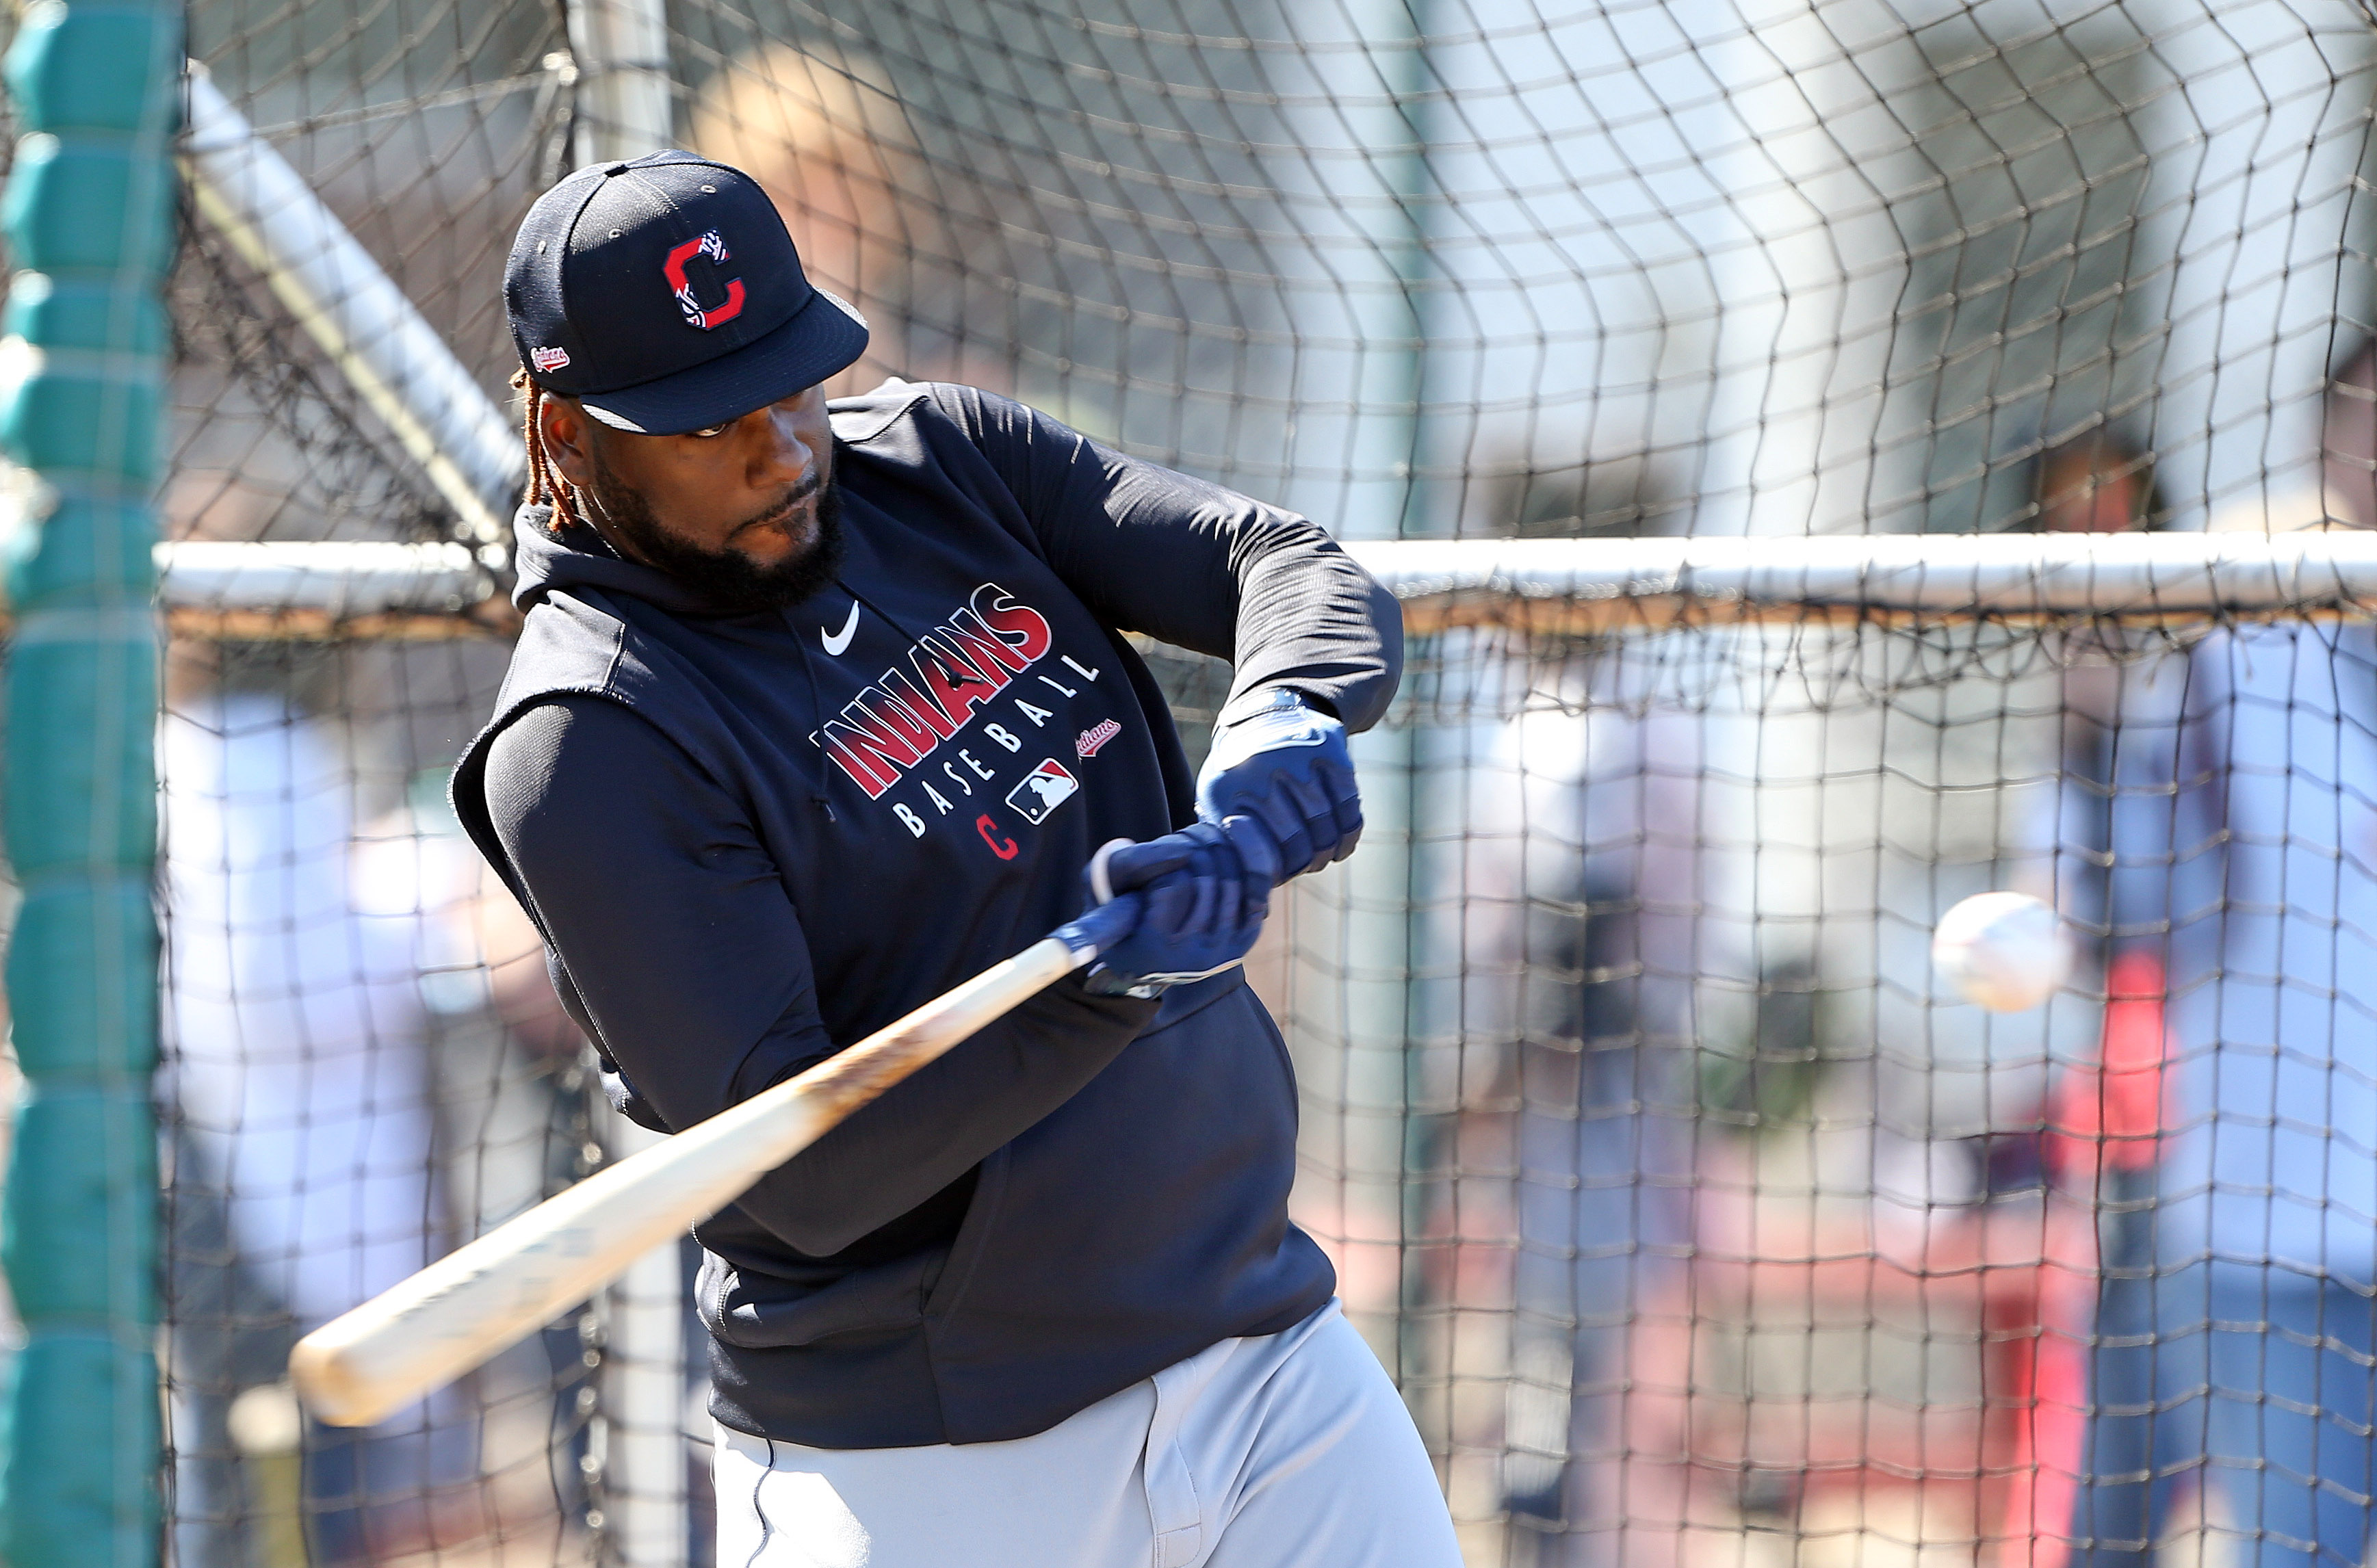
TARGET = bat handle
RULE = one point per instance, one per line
(1101, 871)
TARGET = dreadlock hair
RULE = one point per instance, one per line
(545, 486)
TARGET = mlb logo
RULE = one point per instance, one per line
(1043, 788)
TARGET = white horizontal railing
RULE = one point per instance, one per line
(307, 590)
(343, 580)
(1599, 583)
(301, 589)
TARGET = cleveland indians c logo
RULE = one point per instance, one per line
(712, 246)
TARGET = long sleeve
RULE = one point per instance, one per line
(1193, 564)
(690, 968)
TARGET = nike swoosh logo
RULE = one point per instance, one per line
(836, 641)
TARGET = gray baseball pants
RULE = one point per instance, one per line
(1291, 1450)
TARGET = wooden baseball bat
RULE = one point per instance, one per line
(451, 1316)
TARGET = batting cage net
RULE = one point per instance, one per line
(1699, 1213)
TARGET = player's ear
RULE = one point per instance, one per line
(565, 431)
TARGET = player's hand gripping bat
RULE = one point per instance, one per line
(366, 1366)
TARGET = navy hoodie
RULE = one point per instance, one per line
(752, 840)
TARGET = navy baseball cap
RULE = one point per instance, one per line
(664, 295)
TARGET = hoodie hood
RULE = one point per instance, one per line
(580, 558)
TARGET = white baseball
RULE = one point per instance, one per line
(2004, 951)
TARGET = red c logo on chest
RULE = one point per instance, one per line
(714, 247)
(1001, 846)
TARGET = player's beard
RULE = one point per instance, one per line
(728, 579)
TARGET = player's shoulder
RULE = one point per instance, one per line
(588, 687)
(868, 416)
(925, 412)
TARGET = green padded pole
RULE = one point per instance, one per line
(88, 214)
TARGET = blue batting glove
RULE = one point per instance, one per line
(1285, 766)
(1202, 905)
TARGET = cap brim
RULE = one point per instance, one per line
(822, 337)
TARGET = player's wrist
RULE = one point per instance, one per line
(1286, 765)
(1260, 701)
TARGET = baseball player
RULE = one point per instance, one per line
(819, 709)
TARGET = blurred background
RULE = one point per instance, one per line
(1697, 1219)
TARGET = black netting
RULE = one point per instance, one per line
(1697, 1215)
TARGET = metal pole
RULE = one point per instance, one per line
(1362, 172)
(1349, 1022)
(627, 108)
(396, 363)
(1616, 584)
(88, 212)
(644, 1395)
(625, 96)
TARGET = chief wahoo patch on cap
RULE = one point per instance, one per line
(713, 246)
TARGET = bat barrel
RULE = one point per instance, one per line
(362, 1367)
